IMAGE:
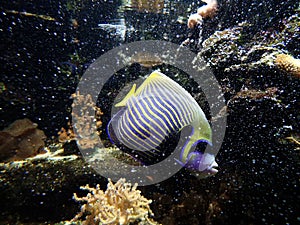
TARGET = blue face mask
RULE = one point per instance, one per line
(202, 164)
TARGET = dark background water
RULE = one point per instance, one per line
(32, 49)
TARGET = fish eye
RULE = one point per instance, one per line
(201, 146)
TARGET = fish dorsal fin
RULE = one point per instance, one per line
(128, 96)
(154, 76)
(159, 84)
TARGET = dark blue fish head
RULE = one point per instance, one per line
(194, 160)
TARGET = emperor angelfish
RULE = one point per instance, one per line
(158, 108)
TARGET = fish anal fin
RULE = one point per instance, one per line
(128, 96)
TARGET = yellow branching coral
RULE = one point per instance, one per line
(121, 203)
(289, 64)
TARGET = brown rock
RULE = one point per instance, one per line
(21, 140)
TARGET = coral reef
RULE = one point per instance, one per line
(243, 48)
(84, 122)
(21, 140)
(66, 135)
(121, 203)
(205, 11)
(289, 64)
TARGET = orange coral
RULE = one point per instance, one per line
(65, 135)
(84, 122)
(194, 19)
(205, 11)
(289, 64)
(208, 10)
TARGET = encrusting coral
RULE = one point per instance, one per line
(205, 11)
(121, 203)
(289, 64)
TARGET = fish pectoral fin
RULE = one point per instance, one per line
(124, 101)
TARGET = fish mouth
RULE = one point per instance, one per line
(214, 168)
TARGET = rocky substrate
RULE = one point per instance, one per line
(40, 188)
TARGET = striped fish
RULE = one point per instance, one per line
(155, 110)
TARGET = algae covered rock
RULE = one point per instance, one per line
(242, 49)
